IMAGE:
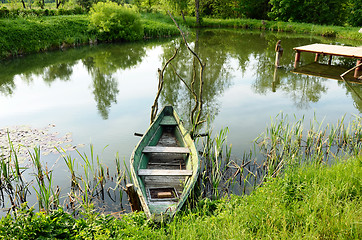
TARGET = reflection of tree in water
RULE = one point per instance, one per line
(105, 87)
(302, 89)
(216, 75)
(61, 71)
(7, 86)
(101, 61)
(355, 90)
(102, 65)
(49, 66)
(105, 92)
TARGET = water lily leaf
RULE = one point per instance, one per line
(25, 138)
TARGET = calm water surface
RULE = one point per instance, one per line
(103, 94)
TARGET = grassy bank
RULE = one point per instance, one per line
(19, 36)
(305, 28)
(36, 34)
(307, 202)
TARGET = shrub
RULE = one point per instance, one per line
(4, 12)
(115, 22)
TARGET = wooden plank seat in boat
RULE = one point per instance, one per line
(161, 149)
(164, 172)
(168, 121)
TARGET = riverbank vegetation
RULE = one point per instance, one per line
(25, 31)
(302, 184)
(308, 201)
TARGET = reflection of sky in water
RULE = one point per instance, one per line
(71, 106)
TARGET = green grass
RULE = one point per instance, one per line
(304, 28)
(31, 34)
(36, 34)
(158, 25)
(307, 202)
(20, 36)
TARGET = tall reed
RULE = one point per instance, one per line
(13, 187)
(48, 198)
(284, 143)
(90, 185)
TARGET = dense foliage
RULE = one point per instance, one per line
(16, 12)
(332, 12)
(326, 12)
(308, 202)
(355, 13)
(115, 22)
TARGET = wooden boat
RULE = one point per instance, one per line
(164, 166)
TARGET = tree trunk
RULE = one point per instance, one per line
(57, 3)
(183, 16)
(22, 1)
(197, 7)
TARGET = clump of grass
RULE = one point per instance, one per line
(13, 187)
(306, 202)
(48, 198)
(216, 160)
(283, 144)
(305, 28)
(89, 185)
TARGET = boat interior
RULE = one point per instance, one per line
(166, 167)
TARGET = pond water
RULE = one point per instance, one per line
(103, 94)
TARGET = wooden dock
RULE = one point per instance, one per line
(331, 50)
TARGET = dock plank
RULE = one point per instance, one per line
(335, 50)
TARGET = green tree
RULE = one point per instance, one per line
(178, 6)
(355, 13)
(220, 8)
(115, 22)
(86, 4)
(197, 12)
(331, 12)
(145, 5)
(256, 9)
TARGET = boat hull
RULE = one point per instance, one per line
(164, 166)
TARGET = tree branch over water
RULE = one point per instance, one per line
(195, 120)
(154, 107)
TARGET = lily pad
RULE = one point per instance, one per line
(25, 138)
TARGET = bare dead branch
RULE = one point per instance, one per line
(198, 105)
(154, 107)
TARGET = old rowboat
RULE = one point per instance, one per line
(164, 166)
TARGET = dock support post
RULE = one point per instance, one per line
(316, 57)
(330, 60)
(133, 198)
(358, 68)
(277, 59)
(275, 80)
(297, 59)
(279, 53)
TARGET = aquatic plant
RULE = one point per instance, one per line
(283, 144)
(90, 186)
(48, 198)
(23, 138)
